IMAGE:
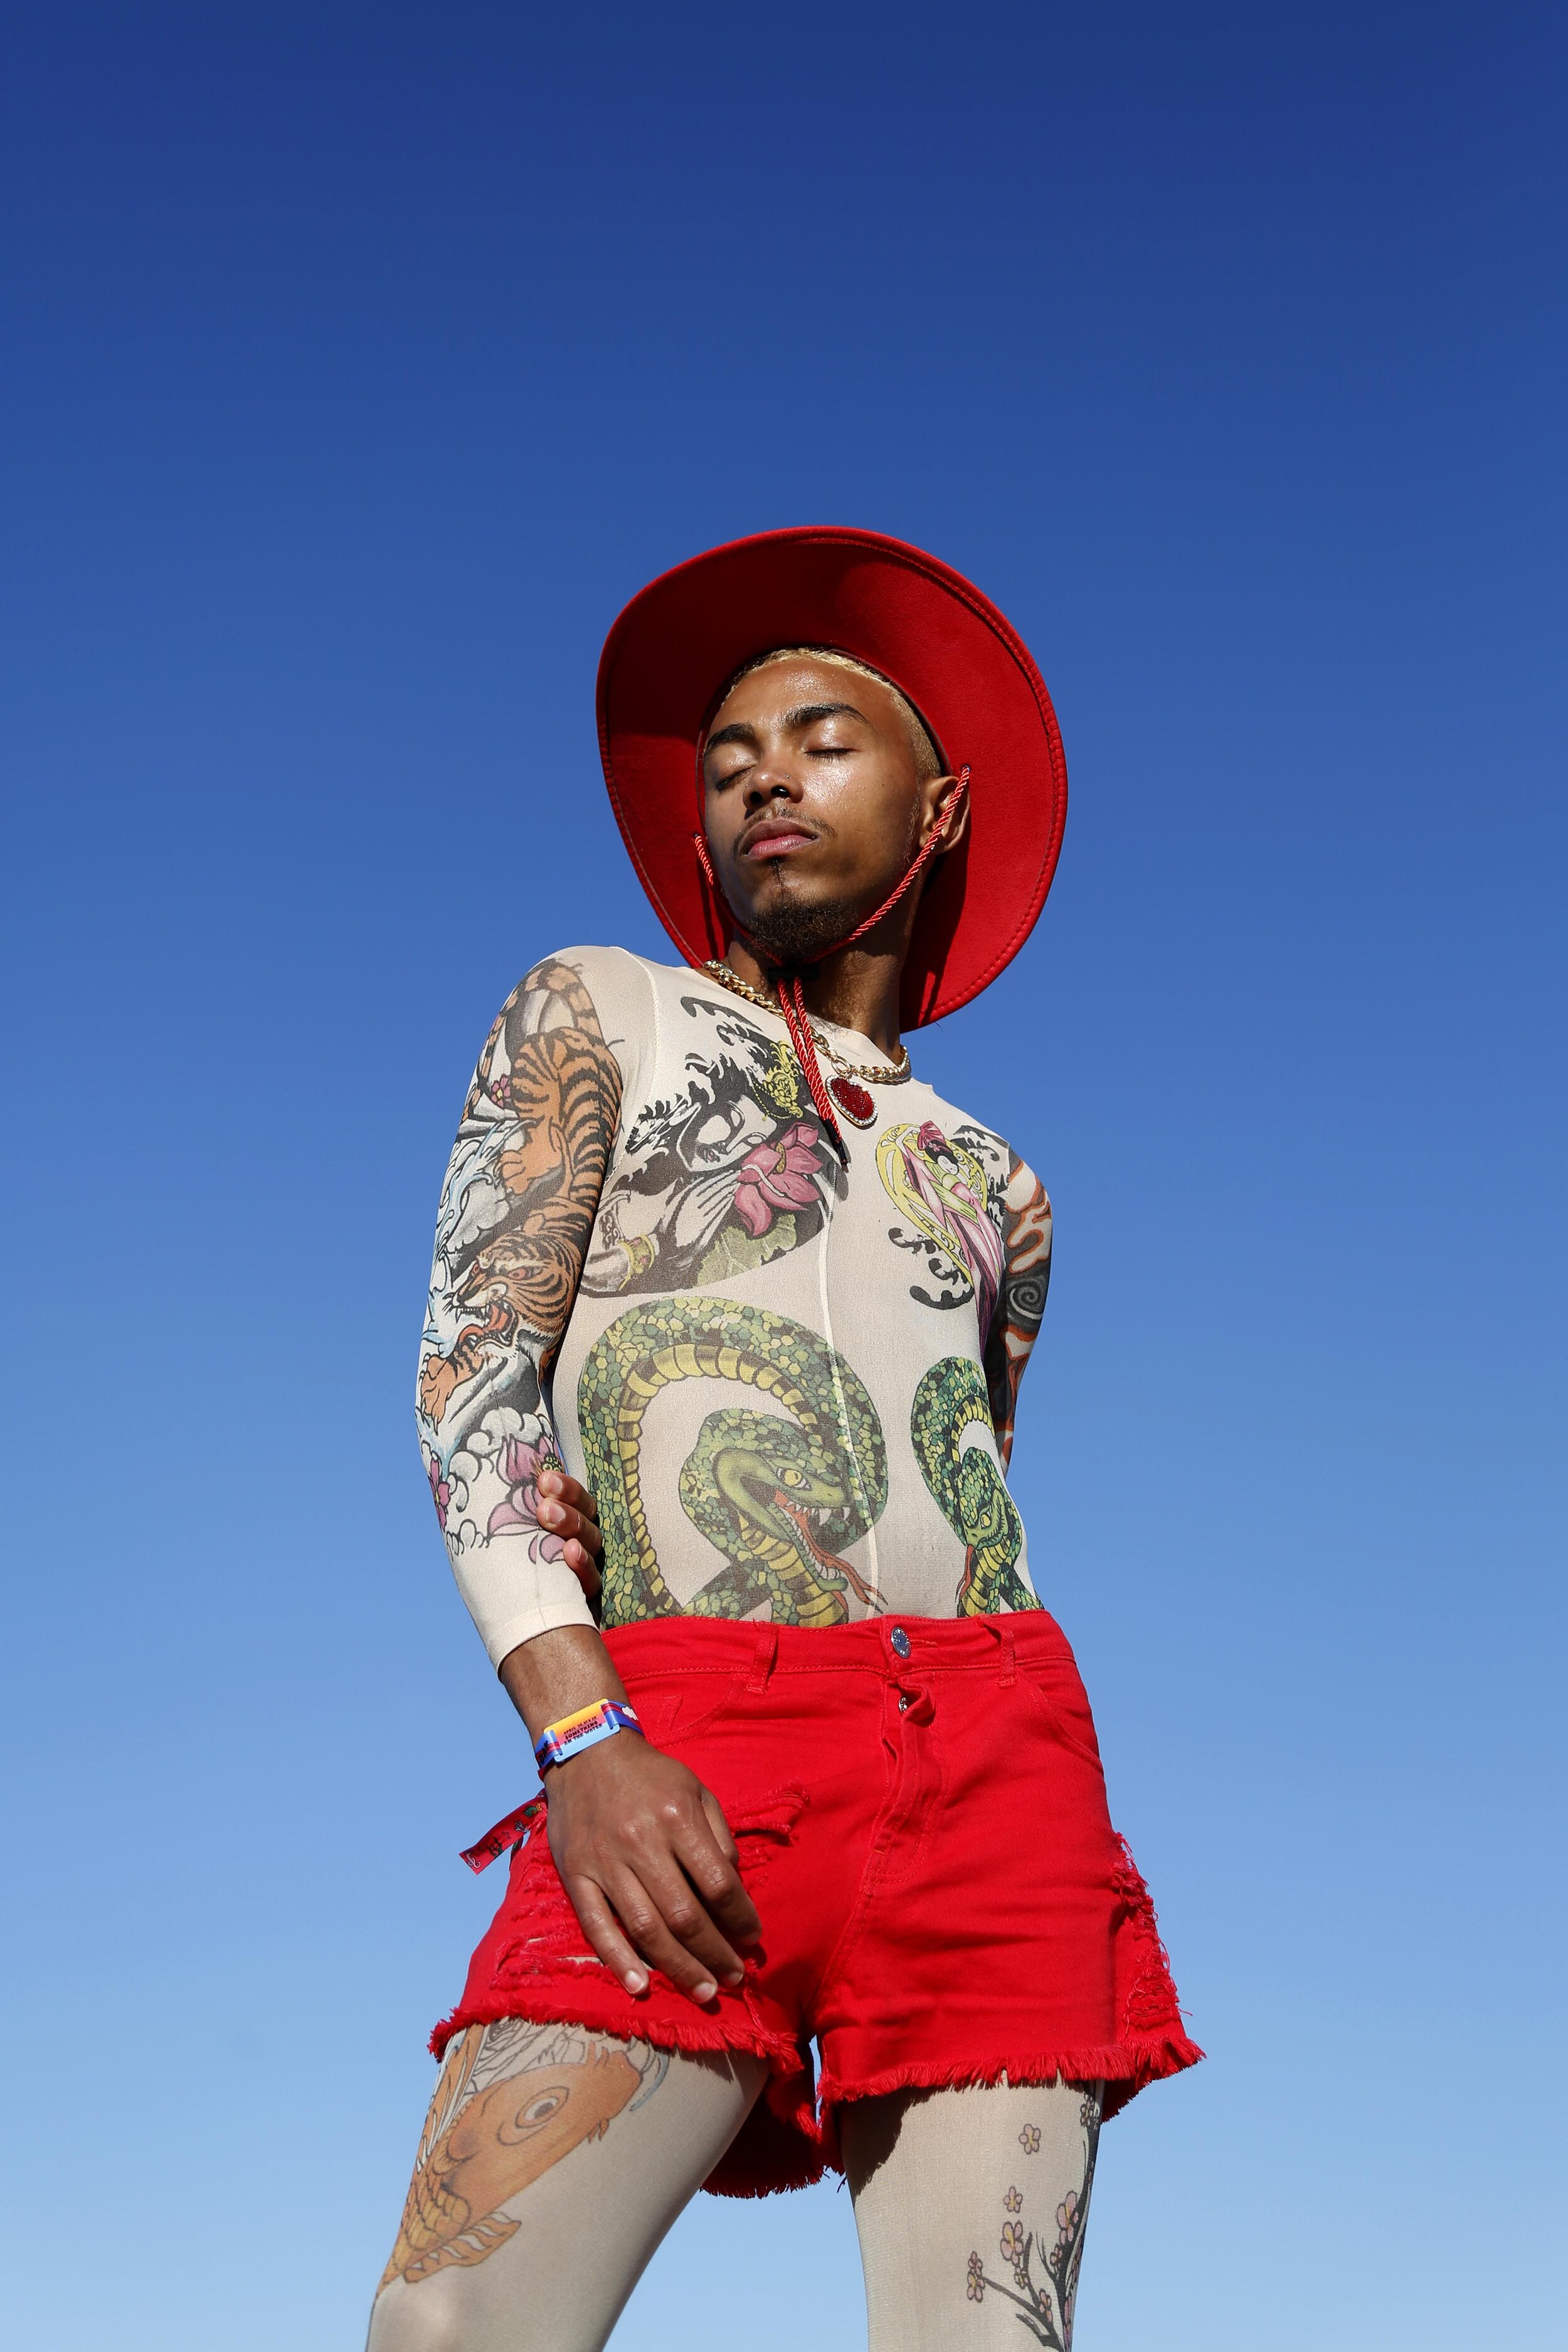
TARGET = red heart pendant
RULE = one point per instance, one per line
(853, 1101)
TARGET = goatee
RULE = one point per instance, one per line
(793, 932)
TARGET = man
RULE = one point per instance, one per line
(717, 1392)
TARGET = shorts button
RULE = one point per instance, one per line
(900, 1642)
(903, 1702)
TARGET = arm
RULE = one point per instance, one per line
(1021, 1299)
(634, 1833)
(517, 1208)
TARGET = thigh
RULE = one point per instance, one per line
(552, 2163)
(970, 2207)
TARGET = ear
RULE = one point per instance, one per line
(939, 794)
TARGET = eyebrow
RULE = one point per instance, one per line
(804, 714)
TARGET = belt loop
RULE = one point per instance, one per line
(763, 1658)
(1009, 1673)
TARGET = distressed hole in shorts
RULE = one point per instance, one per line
(763, 1829)
(1150, 2004)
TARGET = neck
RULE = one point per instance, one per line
(857, 987)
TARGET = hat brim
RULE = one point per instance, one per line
(925, 627)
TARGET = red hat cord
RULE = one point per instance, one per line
(792, 993)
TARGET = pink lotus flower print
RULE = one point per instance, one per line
(776, 1175)
(519, 1466)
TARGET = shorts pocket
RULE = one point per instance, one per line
(1060, 1698)
(672, 1707)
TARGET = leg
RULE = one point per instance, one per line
(552, 2163)
(970, 2208)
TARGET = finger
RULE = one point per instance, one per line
(714, 1814)
(578, 1523)
(584, 1569)
(645, 1911)
(573, 1491)
(643, 1923)
(711, 1863)
(587, 1504)
(602, 1929)
(562, 1521)
(685, 1912)
(570, 1491)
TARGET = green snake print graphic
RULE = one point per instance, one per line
(778, 1497)
(969, 1488)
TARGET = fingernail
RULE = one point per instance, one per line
(634, 1981)
(550, 1513)
(736, 1977)
(705, 1992)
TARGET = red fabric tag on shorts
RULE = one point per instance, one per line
(516, 1829)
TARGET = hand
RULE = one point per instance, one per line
(565, 1506)
(645, 1853)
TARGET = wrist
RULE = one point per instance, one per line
(555, 1674)
(584, 1727)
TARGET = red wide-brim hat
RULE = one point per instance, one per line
(922, 625)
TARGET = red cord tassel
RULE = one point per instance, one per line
(791, 1001)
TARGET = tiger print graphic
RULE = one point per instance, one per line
(559, 1088)
(541, 1110)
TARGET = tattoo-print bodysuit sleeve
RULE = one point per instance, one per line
(517, 1208)
(1021, 1300)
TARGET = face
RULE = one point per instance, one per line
(813, 802)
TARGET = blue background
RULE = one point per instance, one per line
(358, 363)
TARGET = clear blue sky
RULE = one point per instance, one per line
(359, 362)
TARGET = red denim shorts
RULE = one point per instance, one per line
(921, 1815)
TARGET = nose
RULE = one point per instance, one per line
(773, 778)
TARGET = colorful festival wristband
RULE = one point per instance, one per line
(583, 1730)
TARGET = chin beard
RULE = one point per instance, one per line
(793, 933)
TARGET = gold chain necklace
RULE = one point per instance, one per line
(883, 1074)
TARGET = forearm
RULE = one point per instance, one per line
(519, 1587)
(487, 1439)
(556, 1673)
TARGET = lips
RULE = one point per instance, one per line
(778, 837)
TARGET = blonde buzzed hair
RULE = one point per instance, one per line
(929, 759)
